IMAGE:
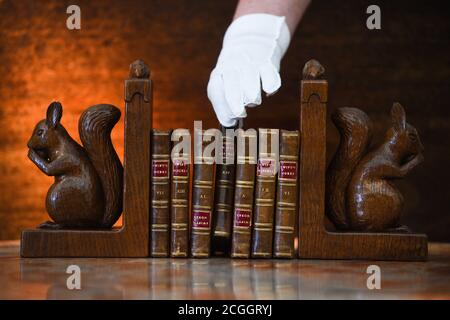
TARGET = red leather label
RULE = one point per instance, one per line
(180, 168)
(266, 168)
(242, 217)
(288, 170)
(200, 219)
(160, 168)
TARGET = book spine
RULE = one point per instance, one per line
(179, 208)
(202, 202)
(265, 193)
(160, 194)
(287, 193)
(243, 196)
(223, 207)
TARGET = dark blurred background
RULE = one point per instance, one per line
(408, 60)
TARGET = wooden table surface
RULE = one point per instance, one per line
(220, 278)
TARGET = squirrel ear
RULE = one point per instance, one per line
(54, 114)
(398, 116)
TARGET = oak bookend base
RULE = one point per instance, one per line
(132, 239)
(81, 243)
(315, 242)
(362, 246)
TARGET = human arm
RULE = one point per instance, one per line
(249, 62)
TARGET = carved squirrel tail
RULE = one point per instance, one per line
(355, 129)
(95, 127)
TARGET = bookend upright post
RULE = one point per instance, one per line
(132, 239)
(315, 242)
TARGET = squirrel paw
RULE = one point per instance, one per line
(49, 225)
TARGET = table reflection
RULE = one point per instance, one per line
(215, 278)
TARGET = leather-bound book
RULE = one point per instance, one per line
(264, 208)
(224, 191)
(160, 194)
(287, 190)
(202, 200)
(179, 205)
(243, 194)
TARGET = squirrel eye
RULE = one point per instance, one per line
(40, 132)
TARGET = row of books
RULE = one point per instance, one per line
(244, 208)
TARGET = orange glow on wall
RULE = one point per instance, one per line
(43, 61)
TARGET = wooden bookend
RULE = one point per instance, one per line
(132, 239)
(315, 241)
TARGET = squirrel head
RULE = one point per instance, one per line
(139, 70)
(45, 134)
(313, 70)
(403, 137)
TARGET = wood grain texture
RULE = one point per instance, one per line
(314, 241)
(361, 194)
(87, 191)
(132, 239)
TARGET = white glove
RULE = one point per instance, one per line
(251, 53)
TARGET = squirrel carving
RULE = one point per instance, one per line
(87, 192)
(360, 192)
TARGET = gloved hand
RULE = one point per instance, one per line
(252, 50)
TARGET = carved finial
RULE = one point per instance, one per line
(313, 70)
(139, 70)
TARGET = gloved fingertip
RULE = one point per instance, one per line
(270, 79)
(254, 103)
(268, 94)
(228, 122)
